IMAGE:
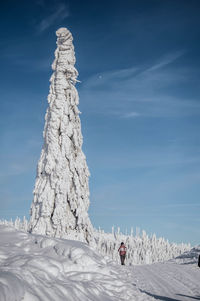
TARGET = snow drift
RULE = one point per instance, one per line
(35, 268)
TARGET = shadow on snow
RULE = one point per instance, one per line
(164, 298)
(196, 297)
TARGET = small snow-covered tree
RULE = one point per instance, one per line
(141, 249)
(61, 194)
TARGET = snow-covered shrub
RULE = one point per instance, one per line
(18, 224)
(142, 249)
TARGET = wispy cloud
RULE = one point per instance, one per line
(61, 11)
(168, 59)
(145, 91)
(130, 115)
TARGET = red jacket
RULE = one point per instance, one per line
(122, 250)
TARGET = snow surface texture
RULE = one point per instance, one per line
(141, 249)
(61, 194)
(40, 268)
(175, 280)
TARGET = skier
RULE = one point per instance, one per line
(122, 252)
(199, 262)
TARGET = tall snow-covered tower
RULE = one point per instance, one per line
(61, 194)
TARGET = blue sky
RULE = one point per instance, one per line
(139, 66)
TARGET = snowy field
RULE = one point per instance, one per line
(38, 268)
(178, 279)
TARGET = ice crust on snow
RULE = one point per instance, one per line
(61, 193)
(36, 267)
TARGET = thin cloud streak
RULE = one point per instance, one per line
(131, 115)
(131, 73)
(61, 12)
(147, 91)
(168, 59)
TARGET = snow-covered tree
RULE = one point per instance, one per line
(61, 194)
(141, 249)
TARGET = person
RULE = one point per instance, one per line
(199, 262)
(122, 253)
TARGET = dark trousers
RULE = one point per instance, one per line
(122, 257)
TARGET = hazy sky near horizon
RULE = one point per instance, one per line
(139, 67)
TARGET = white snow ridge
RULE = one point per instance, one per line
(61, 194)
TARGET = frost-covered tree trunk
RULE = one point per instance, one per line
(61, 194)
